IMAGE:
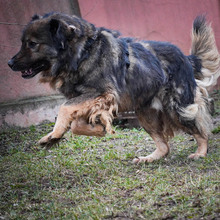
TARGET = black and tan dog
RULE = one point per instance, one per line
(100, 73)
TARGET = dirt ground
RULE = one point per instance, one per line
(94, 178)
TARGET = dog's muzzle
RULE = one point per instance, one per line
(11, 63)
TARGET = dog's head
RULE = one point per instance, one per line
(48, 43)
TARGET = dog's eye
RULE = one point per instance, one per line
(32, 44)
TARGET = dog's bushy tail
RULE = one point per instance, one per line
(205, 60)
(204, 49)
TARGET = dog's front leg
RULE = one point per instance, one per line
(61, 126)
(81, 113)
(81, 127)
(71, 110)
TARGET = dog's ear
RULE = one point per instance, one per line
(73, 31)
(54, 26)
(57, 30)
(62, 32)
(36, 17)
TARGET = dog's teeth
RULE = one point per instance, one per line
(27, 72)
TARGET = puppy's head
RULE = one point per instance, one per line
(47, 44)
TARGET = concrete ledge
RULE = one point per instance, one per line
(26, 112)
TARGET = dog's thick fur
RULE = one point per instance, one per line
(100, 72)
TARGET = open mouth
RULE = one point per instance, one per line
(35, 69)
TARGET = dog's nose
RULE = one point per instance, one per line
(11, 63)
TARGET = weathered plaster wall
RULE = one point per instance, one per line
(163, 20)
(166, 20)
(14, 15)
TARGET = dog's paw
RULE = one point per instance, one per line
(48, 140)
(196, 156)
(147, 159)
(109, 130)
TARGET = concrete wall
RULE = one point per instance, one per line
(25, 102)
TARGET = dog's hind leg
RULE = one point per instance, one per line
(161, 150)
(202, 147)
(151, 120)
(200, 113)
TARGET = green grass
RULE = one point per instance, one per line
(93, 178)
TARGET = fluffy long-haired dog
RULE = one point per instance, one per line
(100, 72)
